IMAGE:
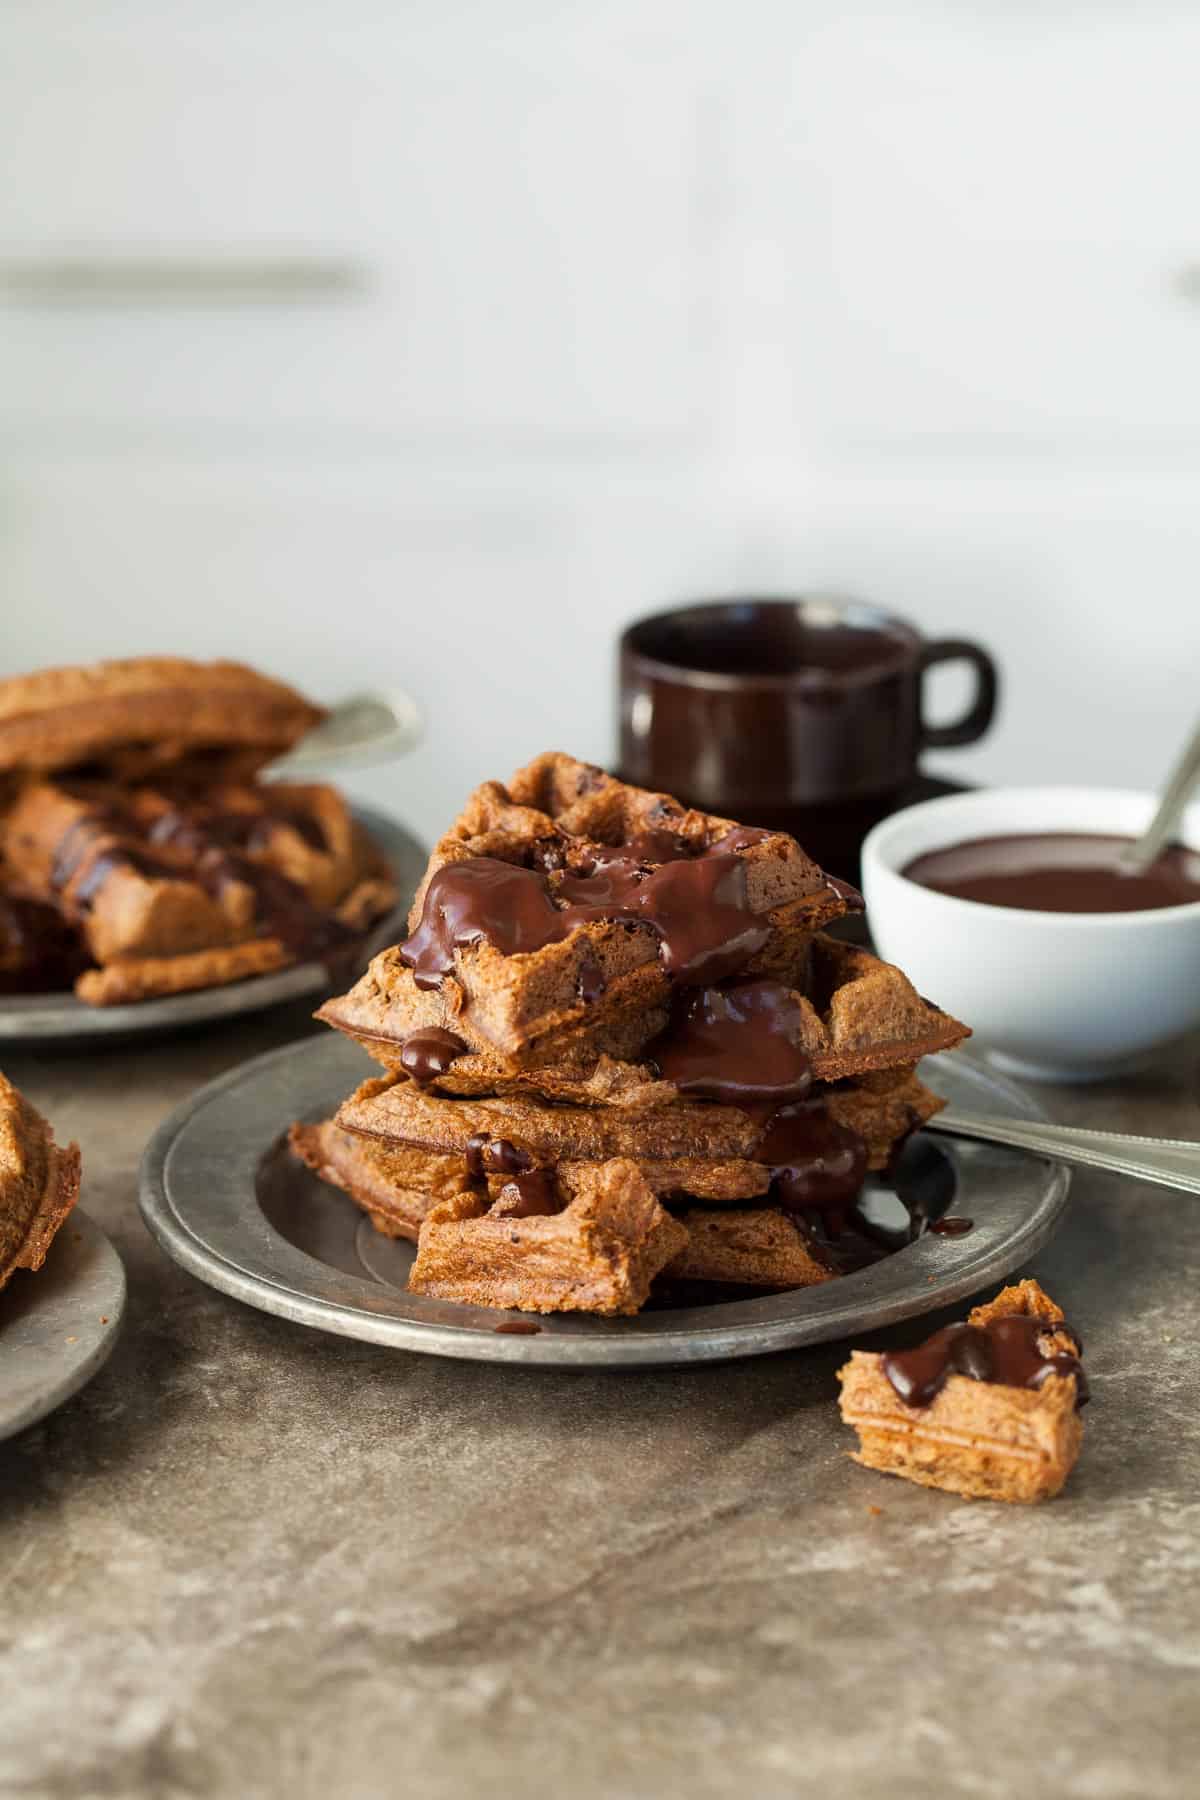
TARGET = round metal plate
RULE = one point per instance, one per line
(57, 1326)
(49, 1018)
(231, 1208)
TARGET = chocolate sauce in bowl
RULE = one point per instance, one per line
(1070, 872)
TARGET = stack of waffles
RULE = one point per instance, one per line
(140, 855)
(622, 1056)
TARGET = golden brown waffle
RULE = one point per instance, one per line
(398, 1183)
(756, 1247)
(977, 1438)
(759, 1247)
(575, 941)
(859, 1014)
(147, 714)
(39, 1183)
(881, 1107)
(603, 988)
(598, 1254)
(172, 892)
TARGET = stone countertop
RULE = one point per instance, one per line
(253, 1560)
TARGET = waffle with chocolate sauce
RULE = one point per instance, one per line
(184, 877)
(988, 1408)
(560, 912)
(39, 1183)
(604, 994)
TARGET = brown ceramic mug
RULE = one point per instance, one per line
(803, 714)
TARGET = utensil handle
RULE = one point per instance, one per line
(1161, 828)
(357, 733)
(1164, 1161)
(979, 715)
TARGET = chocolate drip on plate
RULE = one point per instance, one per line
(1007, 1352)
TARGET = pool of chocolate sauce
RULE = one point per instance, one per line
(1058, 871)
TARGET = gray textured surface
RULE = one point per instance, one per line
(251, 1560)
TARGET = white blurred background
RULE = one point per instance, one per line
(428, 342)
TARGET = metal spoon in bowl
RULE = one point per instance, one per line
(1166, 1162)
(1135, 858)
(357, 733)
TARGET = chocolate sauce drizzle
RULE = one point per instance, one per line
(39, 950)
(742, 1044)
(219, 849)
(698, 905)
(527, 1191)
(487, 1155)
(1007, 1352)
(426, 1054)
(739, 1043)
(97, 839)
(525, 1196)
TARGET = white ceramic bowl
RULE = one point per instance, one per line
(1058, 996)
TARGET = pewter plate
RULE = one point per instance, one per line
(50, 1018)
(233, 1208)
(58, 1325)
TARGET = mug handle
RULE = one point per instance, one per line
(980, 713)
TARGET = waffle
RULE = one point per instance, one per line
(39, 1183)
(982, 1437)
(881, 1107)
(551, 1039)
(169, 891)
(599, 1254)
(564, 987)
(148, 714)
(857, 1014)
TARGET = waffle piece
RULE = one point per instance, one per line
(986, 1438)
(855, 1014)
(759, 1247)
(146, 714)
(555, 911)
(174, 892)
(39, 1183)
(599, 1253)
(397, 1110)
(395, 1185)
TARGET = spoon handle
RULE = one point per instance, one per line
(358, 733)
(1161, 828)
(1165, 1161)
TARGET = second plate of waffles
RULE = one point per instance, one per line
(149, 873)
(623, 1072)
